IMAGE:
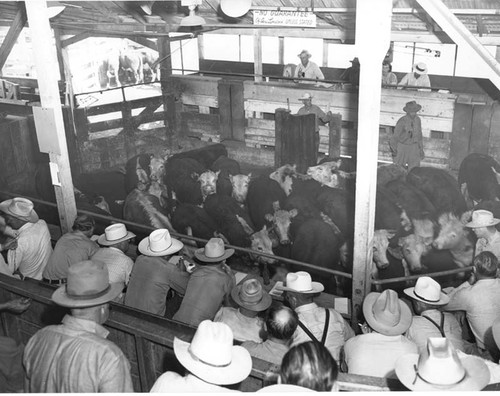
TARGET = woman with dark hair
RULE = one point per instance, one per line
(310, 365)
(388, 77)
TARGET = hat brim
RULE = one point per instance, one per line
(316, 287)
(145, 248)
(200, 255)
(262, 305)
(476, 377)
(32, 218)
(236, 371)
(400, 328)
(415, 109)
(60, 297)
(104, 242)
(282, 388)
(473, 224)
(443, 298)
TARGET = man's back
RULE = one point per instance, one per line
(118, 263)
(75, 357)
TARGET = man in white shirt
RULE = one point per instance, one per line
(417, 78)
(307, 69)
(29, 253)
(488, 237)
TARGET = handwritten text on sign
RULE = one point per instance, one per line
(284, 18)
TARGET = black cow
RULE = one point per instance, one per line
(478, 178)
(141, 169)
(262, 193)
(181, 179)
(197, 219)
(227, 167)
(205, 155)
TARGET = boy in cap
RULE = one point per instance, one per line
(374, 353)
(75, 355)
(244, 321)
(406, 143)
(307, 69)
(488, 237)
(29, 253)
(417, 78)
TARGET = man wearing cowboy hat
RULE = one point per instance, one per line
(488, 237)
(307, 69)
(211, 361)
(281, 324)
(323, 325)
(33, 250)
(429, 321)
(116, 241)
(244, 321)
(75, 355)
(375, 352)
(417, 78)
(480, 301)
(209, 285)
(151, 275)
(406, 143)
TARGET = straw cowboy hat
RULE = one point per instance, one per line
(115, 233)
(159, 243)
(20, 208)
(412, 106)
(386, 313)
(251, 296)
(440, 368)
(304, 53)
(212, 356)
(301, 282)
(420, 68)
(428, 291)
(306, 96)
(283, 388)
(482, 218)
(88, 285)
(213, 251)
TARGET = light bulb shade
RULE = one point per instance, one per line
(192, 19)
(235, 8)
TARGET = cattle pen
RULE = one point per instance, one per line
(67, 123)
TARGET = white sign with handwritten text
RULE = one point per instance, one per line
(284, 18)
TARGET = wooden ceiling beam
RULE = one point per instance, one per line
(12, 35)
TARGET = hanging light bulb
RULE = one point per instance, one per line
(192, 19)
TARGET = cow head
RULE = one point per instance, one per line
(281, 220)
(452, 231)
(240, 186)
(157, 168)
(284, 175)
(380, 244)
(326, 173)
(261, 242)
(413, 248)
(208, 183)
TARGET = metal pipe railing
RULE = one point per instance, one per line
(412, 277)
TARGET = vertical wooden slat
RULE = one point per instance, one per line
(167, 94)
(460, 137)
(280, 117)
(224, 99)
(335, 129)
(257, 53)
(237, 111)
(480, 129)
(281, 50)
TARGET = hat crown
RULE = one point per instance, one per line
(420, 67)
(87, 279)
(386, 308)
(299, 281)
(21, 206)
(428, 289)
(251, 291)
(304, 53)
(306, 96)
(115, 232)
(439, 363)
(482, 217)
(214, 248)
(160, 240)
(212, 343)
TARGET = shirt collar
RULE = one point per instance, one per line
(306, 307)
(113, 248)
(25, 226)
(86, 325)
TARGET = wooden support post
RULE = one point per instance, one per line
(201, 47)
(46, 65)
(281, 51)
(373, 21)
(11, 37)
(60, 59)
(167, 92)
(257, 51)
(335, 130)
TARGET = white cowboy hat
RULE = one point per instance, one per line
(420, 68)
(428, 291)
(306, 96)
(440, 368)
(482, 218)
(115, 233)
(304, 52)
(283, 388)
(213, 251)
(159, 243)
(88, 285)
(20, 208)
(212, 356)
(301, 282)
(386, 313)
(250, 295)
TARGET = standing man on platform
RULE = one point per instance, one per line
(307, 69)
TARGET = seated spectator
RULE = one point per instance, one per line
(116, 240)
(29, 253)
(351, 74)
(75, 355)
(73, 247)
(208, 286)
(324, 325)
(281, 323)
(243, 321)
(375, 352)
(479, 297)
(417, 78)
(440, 368)
(311, 366)
(488, 237)
(429, 321)
(211, 360)
(11, 353)
(388, 77)
(148, 286)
